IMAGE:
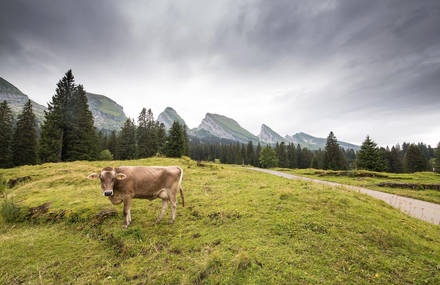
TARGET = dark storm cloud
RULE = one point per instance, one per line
(325, 58)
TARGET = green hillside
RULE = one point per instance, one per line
(108, 114)
(237, 227)
(226, 128)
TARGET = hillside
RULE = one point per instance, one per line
(108, 115)
(269, 136)
(237, 227)
(224, 128)
(16, 100)
(314, 143)
(168, 116)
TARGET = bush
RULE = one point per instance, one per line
(10, 211)
(105, 155)
(2, 186)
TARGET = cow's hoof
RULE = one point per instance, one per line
(124, 226)
(158, 221)
(171, 222)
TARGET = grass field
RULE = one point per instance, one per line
(238, 227)
(371, 182)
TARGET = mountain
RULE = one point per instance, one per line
(168, 116)
(108, 115)
(314, 143)
(16, 100)
(222, 127)
(269, 136)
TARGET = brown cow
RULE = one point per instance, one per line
(122, 184)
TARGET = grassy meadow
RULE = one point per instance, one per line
(362, 178)
(238, 226)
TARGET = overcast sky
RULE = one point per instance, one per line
(354, 67)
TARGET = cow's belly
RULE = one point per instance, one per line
(145, 196)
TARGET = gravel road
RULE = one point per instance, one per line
(422, 210)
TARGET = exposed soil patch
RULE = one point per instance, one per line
(14, 181)
(415, 186)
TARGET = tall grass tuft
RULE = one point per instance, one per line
(9, 210)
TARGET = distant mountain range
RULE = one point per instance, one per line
(219, 128)
(110, 116)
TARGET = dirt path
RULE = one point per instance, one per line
(422, 210)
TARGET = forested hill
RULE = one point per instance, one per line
(108, 115)
(16, 100)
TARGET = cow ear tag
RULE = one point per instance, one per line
(120, 176)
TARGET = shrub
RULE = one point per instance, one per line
(105, 155)
(2, 186)
(10, 211)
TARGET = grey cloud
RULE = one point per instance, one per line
(371, 57)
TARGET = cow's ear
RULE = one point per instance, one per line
(93, 176)
(121, 176)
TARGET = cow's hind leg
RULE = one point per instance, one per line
(173, 201)
(164, 207)
(164, 196)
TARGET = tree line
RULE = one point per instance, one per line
(398, 159)
(68, 133)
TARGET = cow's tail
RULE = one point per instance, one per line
(180, 187)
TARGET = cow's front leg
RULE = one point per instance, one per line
(164, 207)
(127, 213)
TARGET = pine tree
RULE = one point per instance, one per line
(257, 154)
(282, 156)
(333, 158)
(161, 137)
(369, 156)
(414, 159)
(185, 140)
(6, 132)
(268, 157)
(395, 161)
(175, 141)
(250, 154)
(54, 126)
(24, 144)
(437, 158)
(127, 141)
(112, 144)
(292, 156)
(315, 162)
(82, 144)
(68, 133)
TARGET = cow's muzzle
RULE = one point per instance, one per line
(108, 193)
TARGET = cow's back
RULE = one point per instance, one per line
(148, 181)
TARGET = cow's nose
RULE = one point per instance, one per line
(108, 193)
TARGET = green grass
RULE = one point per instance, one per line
(238, 227)
(371, 182)
(105, 105)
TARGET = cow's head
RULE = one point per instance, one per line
(108, 176)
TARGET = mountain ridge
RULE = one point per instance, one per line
(168, 116)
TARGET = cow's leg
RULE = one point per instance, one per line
(164, 207)
(164, 196)
(173, 201)
(127, 213)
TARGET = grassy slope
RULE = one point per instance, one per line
(233, 127)
(370, 182)
(238, 226)
(106, 105)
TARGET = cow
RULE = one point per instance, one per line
(124, 183)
